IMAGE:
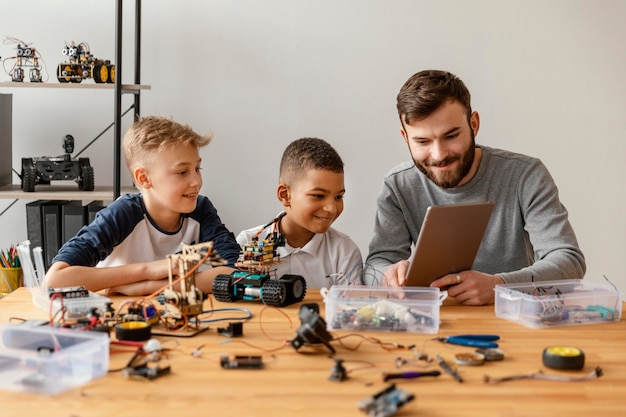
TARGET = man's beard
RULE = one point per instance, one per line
(450, 179)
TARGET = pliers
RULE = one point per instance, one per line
(474, 340)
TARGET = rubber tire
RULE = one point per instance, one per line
(100, 73)
(64, 79)
(87, 181)
(274, 293)
(28, 179)
(563, 358)
(136, 331)
(111, 69)
(222, 290)
(296, 287)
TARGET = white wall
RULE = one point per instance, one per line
(546, 76)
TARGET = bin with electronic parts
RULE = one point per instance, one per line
(385, 309)
(558, 303)
(48, 360)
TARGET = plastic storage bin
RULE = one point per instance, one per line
(34, 282)
(558, 303)
(48, 360)
(74, 307)
(362, 308)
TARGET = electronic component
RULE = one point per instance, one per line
(233, 330)
(312, 330)
(338, 372)
(386, 403)
(241, 362)
(69, 292)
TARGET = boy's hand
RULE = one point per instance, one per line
(157, 270)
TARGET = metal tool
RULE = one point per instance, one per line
(474, 340)
(409, 375)
(444, 365)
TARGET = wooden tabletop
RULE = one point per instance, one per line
(297, 383)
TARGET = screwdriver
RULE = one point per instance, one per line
(409, 375)
(444, 365)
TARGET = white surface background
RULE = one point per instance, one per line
(546, 76)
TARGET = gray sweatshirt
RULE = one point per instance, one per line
(529, 236)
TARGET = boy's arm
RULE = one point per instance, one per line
(204, 281)
(61, 274)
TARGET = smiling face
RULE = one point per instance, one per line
(170, 182)
(442, 144)
(312, 201)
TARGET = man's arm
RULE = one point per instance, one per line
(557, 254)
(390, 246)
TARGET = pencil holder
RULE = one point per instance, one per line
(10, 279)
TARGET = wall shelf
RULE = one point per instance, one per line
(119, 89)
(68, 191)
(126, 88)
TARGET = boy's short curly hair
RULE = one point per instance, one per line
(308, 153)
(154, 134)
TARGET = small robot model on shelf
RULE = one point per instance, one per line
(42, 170)
(253, 280)
(81, 64)
(26, 57)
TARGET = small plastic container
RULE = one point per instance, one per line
(75, 308)
(383, 309)
(47, 360)
(558, 303)
(78, 307)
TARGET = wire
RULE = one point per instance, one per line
(596, 373)
(248, 315)
(280, 347)
(607, 280)
(388, 346)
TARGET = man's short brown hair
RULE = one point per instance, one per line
(426, 91)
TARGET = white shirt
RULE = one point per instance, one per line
(327, 259)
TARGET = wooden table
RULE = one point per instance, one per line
(296, 383)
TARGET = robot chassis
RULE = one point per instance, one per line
(253, 280)
(44, 169)
(81, 64)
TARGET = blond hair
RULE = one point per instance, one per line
(154, 134)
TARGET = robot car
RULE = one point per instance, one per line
(253, 281)
(81, 64)
(42, 170)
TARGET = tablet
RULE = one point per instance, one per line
(448, 241)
